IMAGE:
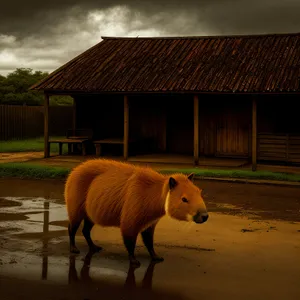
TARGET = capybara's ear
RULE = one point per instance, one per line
(172, 183)
(191, 177)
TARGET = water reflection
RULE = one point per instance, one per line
(129, 290)
(130, 282)
(45, 239)
(86, 284)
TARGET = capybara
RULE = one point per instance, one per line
(133, 198)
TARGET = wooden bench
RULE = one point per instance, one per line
(77, 137)
(110, 141)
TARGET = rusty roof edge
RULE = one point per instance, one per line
(178, 92)
(262, 35)
(60, 78)
(35, 86)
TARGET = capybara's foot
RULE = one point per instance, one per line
(134, 262)
(156, 258)
(74, 249)
(95, 248)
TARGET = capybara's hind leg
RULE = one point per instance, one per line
(72, 229)
(86, 231)
(147, 236)
(130, 242)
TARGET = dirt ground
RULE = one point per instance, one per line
(20, 156)
(155, 162)
(248, 249)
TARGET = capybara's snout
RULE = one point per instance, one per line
(200, 217)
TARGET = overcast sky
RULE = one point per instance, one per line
(43, 35)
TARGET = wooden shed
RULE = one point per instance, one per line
(219, 96)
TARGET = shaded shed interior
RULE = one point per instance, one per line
(160, 124)
(165, 124)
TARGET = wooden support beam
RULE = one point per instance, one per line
(74, 116)
(126, 127)
(196, 129)
(46, 127)
(164, 131)
(254, 134)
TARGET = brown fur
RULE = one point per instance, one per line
(111, 193)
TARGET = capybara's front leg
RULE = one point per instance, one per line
(147, 236)
(72, 229)
(130, 242)
(86, 231)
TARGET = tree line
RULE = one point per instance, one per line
(14, 89)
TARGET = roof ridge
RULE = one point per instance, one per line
(200, 36)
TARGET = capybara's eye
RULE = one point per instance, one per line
(184, 200)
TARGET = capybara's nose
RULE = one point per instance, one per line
(200, 217)
(204, 218)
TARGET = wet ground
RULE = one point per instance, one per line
(249, 248)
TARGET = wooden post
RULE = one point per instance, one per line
(60, 146)
(126, 128)
(196, 129)
(98, 149)
(46, 127)
(164, 131)
(254, 134)
(74, 116)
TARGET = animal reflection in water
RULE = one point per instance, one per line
(129, 289)
(85, 272)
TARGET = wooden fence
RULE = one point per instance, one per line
(19, 122)
(279, 147)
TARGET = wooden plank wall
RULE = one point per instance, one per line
(225, 127)
(233, 131)
(278, 128)
(293, 153)
(278, 147)
(148, 121)
(19, 122)
(180, 125)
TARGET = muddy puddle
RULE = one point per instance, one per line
(24, 215)
(34, 249)
(239, 254)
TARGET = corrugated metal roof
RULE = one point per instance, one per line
(258, 63)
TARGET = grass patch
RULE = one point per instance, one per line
(30, 145)
(25, 170)
(237, 174)
(36, 171)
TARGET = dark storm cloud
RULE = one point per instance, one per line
(33, 17)
(45, 34)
